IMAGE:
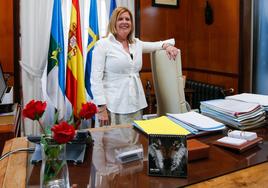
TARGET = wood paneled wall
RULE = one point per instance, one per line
(6, 36)
(210, 53)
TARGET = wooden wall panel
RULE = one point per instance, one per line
(210, 53)
(157, 23)
(6, 35)
(214, 47)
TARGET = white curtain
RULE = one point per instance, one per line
(35, 19)
(35, 30)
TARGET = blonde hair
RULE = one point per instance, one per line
(112, 24)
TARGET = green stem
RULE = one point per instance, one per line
(43, 130)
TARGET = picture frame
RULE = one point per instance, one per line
(166, 3)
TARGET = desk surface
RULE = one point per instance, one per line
(108, 174)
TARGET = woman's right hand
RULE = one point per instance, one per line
(171, 51)
(103, 116)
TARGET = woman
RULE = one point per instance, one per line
(116, 62)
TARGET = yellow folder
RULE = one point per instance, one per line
(160, 125)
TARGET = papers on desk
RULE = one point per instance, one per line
(238, 114)
(196, 122)
(231, 107)
(160, 125)
(251, 98)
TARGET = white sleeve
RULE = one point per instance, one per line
(97, 70)
(148, 47)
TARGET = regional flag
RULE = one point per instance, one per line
(93, 35)
(56, 64)
(112, 7)
(75, 85)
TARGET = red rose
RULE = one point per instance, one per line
(63, 132)
(34, 109)
(88, 110)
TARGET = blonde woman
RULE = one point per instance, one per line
(116, 63)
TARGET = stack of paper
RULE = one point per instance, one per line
(160, 125)
(252, 98)
(195, 122)
(239, 114)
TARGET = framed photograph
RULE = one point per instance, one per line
(167, 155)
(166, 3)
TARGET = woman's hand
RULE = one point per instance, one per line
(103, 116)
(171, 51)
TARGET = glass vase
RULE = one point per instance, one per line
(54, 170)
(84, 124)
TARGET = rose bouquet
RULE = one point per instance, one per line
(53, 139)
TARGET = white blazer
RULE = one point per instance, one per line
(115, 79)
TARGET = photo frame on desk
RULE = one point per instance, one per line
(167, 155)
(166, 3)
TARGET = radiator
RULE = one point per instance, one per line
(202, 91)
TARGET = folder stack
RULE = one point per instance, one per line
(252, 98)
(238, 114)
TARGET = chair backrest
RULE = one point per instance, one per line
(168, 83)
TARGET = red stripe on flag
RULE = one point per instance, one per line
(71, 92)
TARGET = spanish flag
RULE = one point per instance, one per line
(75, 84)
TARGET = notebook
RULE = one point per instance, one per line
(160, 125)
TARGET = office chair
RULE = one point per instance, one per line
(168, 83)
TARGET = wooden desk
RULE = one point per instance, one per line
(13, 168)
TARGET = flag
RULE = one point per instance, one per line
(75, 84)
(56, 64)
(112, 7)
(93, 35)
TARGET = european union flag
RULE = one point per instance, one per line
(93, 35)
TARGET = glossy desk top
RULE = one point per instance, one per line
(106, 172)
(221, 161)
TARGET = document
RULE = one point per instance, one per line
(198, 121)
(250, 97)
(239, 114)
(231, 107)
(160, 125)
